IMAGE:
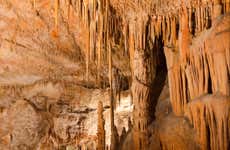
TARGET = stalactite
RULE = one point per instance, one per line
(56, 7)
(131, 46)
(125, 26)
(197, 74)
(100, 128)
(184, 34)
(87, 58)
(219, 79)
(34, 3)
(190, 19)
(68, 8)
(199, 18)
(85, 14)
(110, 68)
(177, 89)
(92, 31)
(99, 62)
(99, 43)
(202, 18)
(227, 6)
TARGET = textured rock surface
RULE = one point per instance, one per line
(26, 126)
(173, 132)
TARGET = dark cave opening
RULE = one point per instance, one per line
(209, 85)
(161, 74)
(193, 19)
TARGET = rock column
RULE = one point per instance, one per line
(100, 128)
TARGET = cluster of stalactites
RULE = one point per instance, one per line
(141, 33)
(200, 18)
(95, 17)
(210, 116)
(203, 72)
(103, 25)
(100, 25)
(202, 13)
(190, 70)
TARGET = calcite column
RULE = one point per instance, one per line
(142, 80)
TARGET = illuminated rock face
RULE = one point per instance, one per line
(172, 70)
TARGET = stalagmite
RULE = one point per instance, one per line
(100, 128)
(123, 134)
(114, 137)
